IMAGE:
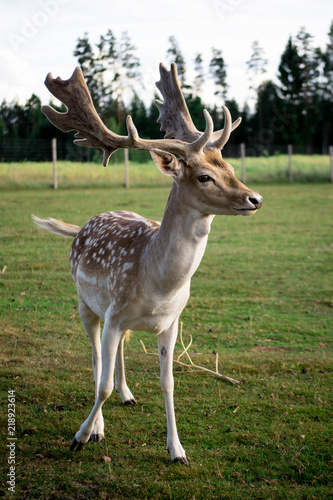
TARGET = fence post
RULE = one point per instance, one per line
(127, 183)
(290, 170)
(243, 174)
(54, 161)
(330, 150)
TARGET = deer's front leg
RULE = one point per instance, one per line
(110, 343)
(166, 344)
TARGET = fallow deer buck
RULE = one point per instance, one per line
(132, 272)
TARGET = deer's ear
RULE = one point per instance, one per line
(167, 163)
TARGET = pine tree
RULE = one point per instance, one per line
(256, 65)
(175, 55)
(110, 73)
(199, 75)
(87, 61)
(309, 94)
(291, 84)
(232, 147)
(256, 69)
(106, 61)
(33, 116)
(196, 107)
(290, 74)
(129, 61)
(327, 58)
(326, 95)
(309, 67)
(217, 69)
(273, 131)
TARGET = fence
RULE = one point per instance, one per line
(290, 162)
(40, 149)
(14, 150)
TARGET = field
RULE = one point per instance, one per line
(262, 298)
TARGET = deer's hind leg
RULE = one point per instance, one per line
(91, 323)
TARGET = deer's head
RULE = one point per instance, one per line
(191, 157)
(208, 183)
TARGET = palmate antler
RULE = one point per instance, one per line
(174, 118)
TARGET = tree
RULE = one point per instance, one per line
(92, 74)
(217, 69)
(325, 107)
(8, 118)
(291, 83)
(232, 146)
(110, 73)
(327, 58)
(106, 61)
(129, 61)
(153, 128)
(34, 117)
(256, 65)
(138, 112)
(199, 75)
(272, 129)
(309, 86)
(256, 68)
(175, 55)
(290, 74)
(196, 107)
(309, 66)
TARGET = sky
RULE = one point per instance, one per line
(39, 36)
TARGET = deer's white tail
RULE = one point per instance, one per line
(57, 227)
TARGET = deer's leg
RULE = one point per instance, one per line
(121, 385)
(110, 344)
(166, 344)
(91, 323)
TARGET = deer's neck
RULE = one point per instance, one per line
(179, 245)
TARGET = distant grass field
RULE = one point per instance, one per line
(273, 169)
(262, 298)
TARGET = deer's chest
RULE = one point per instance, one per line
(157, 313)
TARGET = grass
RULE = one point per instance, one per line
(262, 298)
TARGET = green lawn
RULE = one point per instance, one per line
(262, 298)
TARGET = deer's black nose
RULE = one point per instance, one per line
(256, 200)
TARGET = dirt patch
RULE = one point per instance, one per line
(268, 348)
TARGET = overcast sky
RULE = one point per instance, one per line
(38, 36)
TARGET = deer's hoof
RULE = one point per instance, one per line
(130, 402)
(97, 438)
(75, 445)
(181, 460)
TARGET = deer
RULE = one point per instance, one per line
(132, 272)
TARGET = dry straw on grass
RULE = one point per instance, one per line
(192, 365)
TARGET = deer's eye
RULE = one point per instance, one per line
(204, 178)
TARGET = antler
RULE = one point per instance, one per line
(81, 115)
(174, 117)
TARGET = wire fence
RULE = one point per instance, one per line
(40, 149)
(286, 164)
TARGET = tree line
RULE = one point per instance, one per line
(297, 109)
